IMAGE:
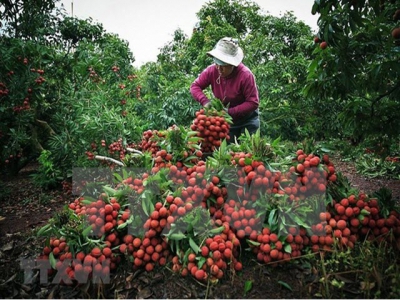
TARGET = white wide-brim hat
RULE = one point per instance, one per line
(228, 51)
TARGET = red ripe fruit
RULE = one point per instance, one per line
(340, 209)
(214, 269)
(200, 274)
(216, 255)
(355, 222)
(396, 16)
(122, 248)
(107, 251)
(323, 216)
(314, 161)
(322, 187)
(80, 256)
(356, 211)
(192, 257)
(349, 211)
(341, 224)
(155, 215)
(238, 266)
(228, 253)
(273, 237)
(374, 211)
(360, 203)
(204, 251)
(96, 252)
(332, 178)
(396, 33)
(116, 206)
(373, 202)
(380, 222)
(352, 200)
(300, 168)
(325, 158)
(149, 267)
(108, 209)
(163, 212)
(88, 260)
(323, 45)
(274, 253)
(46, 250)
(344, 202)
(214, 246)
(125, 215)
(108, 226)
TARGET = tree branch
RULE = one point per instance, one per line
(382, 96)
(46, 126)
(134, 150)
(35, 141)
(105, 158)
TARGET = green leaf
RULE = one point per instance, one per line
(254, 243)
(201, 262)
(147, 204)
(44, 230)
(52, 260)
(315, 7)
(177, 236)
(118, 177)
(217, 230)
(299, 221)
(189, 158)
(248, 161)
(365, 212)
(87, 231)
(288, 248)
(248, 285)
(312, 68)
(326, 150)
(284, 284)
(272, 217)
(121, 226)
(87, 201)
(194, 246)
(109, 190)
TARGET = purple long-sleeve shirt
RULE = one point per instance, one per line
(239, 89)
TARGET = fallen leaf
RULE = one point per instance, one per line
(366, 285)
(144, 293)
(343, 278)
(9, 279)
(7, 247)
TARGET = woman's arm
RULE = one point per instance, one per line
(200, 84)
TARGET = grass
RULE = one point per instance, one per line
(370, 270)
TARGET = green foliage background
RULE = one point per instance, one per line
(92, 92)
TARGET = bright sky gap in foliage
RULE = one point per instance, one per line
(149, 25)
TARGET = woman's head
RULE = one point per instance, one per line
(224, 69)
(227, 52)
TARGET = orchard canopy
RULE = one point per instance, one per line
(178, 192)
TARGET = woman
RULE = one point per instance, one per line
(233, 83)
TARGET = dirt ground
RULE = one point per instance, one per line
(26, 207)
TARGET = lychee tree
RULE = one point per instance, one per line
(64, 85)
(355, 79)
